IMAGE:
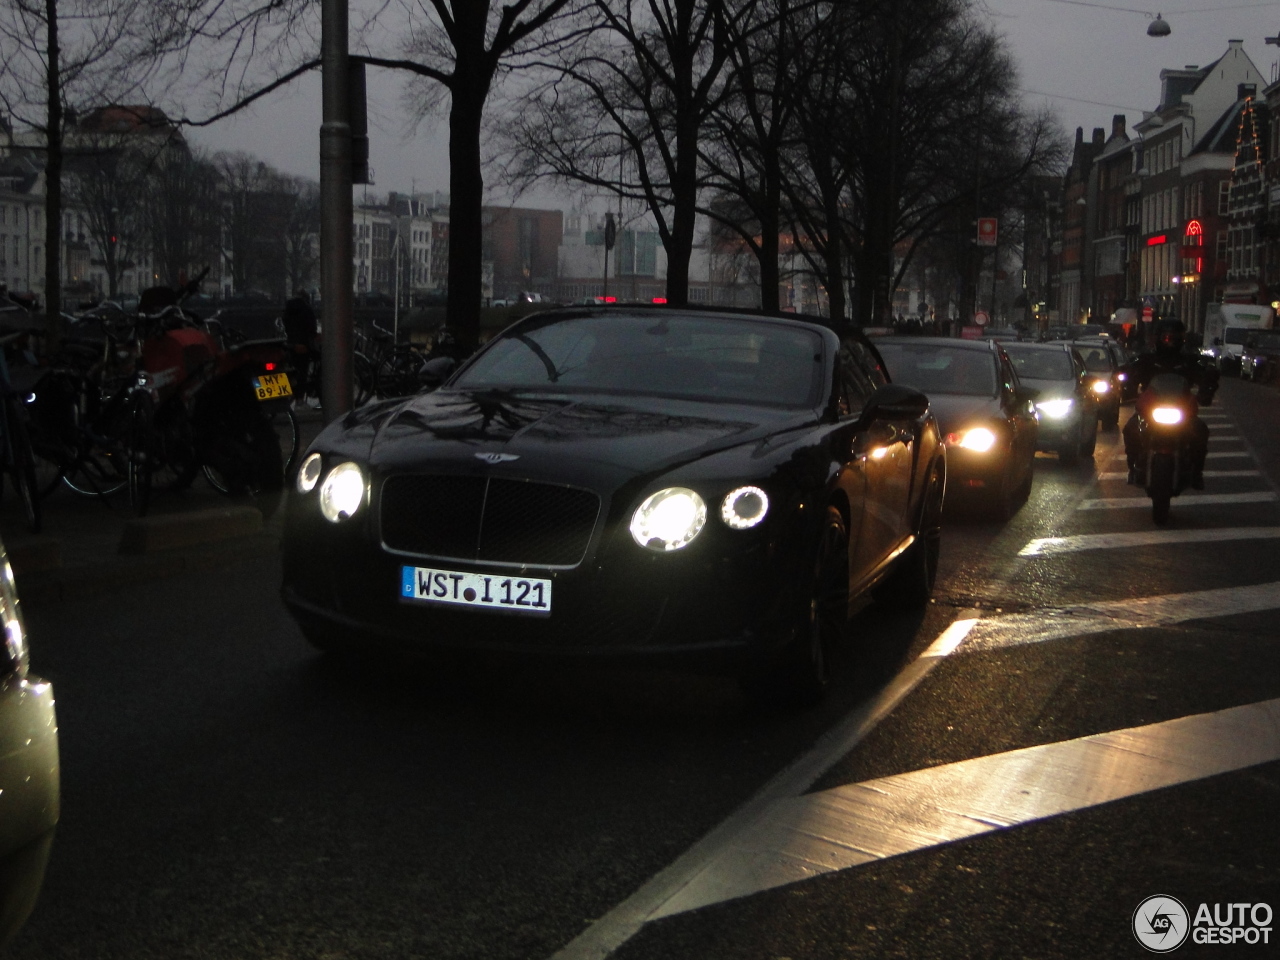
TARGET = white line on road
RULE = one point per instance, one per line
(1050, 546)
(804, 837)
(1185, 500)
(1229, 453)
(1019, 629)
(1120, 475)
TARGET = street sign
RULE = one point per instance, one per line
(1148, 314)
(986, 231)
(981, 318)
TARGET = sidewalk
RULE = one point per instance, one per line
(89, 546)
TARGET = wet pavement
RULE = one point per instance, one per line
(88, 544)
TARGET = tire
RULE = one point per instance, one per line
(20, 462)
(1005, 501)
(800, 675)
(1069, 452)
(1160, 487)
(247, 463)
(910, 585)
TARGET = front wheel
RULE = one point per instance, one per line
(1160, 487)
(246, 461)
(910, 585)
(801, 674)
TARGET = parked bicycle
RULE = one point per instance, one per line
(19, 459)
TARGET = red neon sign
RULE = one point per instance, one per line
(1156, 241)
(1195, 230)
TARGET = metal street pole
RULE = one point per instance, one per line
(335, 214)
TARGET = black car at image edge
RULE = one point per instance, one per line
(709, 489)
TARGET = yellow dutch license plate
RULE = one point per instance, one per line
(272, 386)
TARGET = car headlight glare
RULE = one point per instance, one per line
(1101, 386)
(342, 492)
(744, 507)
(669, 519)
(13, 655)
(309, 473)
(1055, 409)
(1169, 416)
(977, 439)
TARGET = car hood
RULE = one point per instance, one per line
(1050, 389)
(954, 410)
(619, 435)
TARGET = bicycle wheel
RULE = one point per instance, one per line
(142, 451)
(20, 462)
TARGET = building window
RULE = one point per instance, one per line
(1224, 197)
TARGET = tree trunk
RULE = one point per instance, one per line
(53, 186)
(466, 197)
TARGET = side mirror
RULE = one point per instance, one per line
(435, 372)
(894, 401)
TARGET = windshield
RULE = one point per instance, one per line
(701, 358)
(1096, 359)
(936, 369)
(1034, 363)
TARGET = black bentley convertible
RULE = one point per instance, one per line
(715, 489)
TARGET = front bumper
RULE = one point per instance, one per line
(711, 606)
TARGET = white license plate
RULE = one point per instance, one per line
(528, 595)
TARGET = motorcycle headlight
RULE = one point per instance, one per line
(669, 519)
(1122, 377)
(309, 473)
(1100, 387)
(13, 656)
(1168, 416)
(744, 507)
(977, 439)
(342, 492)
(1055, 409)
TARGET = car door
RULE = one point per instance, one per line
(883, 452)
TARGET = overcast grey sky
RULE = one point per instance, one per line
(1087, 62)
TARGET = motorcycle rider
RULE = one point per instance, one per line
(1169, 357)
(302, 330)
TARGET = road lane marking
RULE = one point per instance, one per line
(1185, 500)
(1232, 437)
(625, 920)
(1050, 546)
(804, 837)
(1229, 453)
(1019, 629)
(1121, 475)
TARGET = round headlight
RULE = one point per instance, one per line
(309, 473)
(342, 492)
(669, 519)
(744, 508)
(1101, 387)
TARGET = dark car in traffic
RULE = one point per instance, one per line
(706, 489)
(1066, 406)
(986, 416)
(1104, 362)
(30, 791)
(1260, 357)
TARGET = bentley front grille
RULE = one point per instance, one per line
(490, 519)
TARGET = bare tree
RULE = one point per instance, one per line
(78, 53)
(106, 182)
(302, 233)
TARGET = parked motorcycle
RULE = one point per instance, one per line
(208, 405)
(1170, 441)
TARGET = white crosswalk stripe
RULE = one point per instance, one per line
(1050, 546)
(1209, 474)
(1185, 500)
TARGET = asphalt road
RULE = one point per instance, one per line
(228, 794)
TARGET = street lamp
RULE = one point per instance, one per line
(1159, 27)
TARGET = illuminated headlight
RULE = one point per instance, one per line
(1122, 377)
(342, 492)
(1167, 415)
(669, 519)
(1100, 387)
(1055, 409)
(309, 474)
(744, 508)
(977, 439)
(14, 654)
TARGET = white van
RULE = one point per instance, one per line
(1226, 325)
